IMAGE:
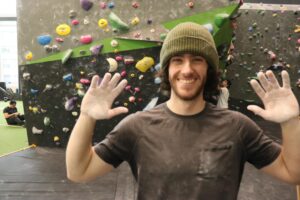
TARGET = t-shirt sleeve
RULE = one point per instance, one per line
(5, 110)
(260, 150)
(119, 143)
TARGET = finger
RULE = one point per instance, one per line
(117, 111)
(256, 110)
(94, 82)
(263, 81)
(257, 89)
(285, 80)
(114, 81)
(120, 87)
(272, 80)
(105, 80)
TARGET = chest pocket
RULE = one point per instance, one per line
(214, 161)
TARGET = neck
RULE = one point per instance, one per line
(184, 107)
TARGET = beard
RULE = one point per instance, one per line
(192, 94)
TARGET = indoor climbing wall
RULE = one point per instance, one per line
(267, 38)
(62, 45)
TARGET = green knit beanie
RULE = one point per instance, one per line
(191, 38)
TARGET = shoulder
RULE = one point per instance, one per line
(224, 113)
(6, 109)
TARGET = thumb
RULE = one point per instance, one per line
(256, 110)
(117, 111)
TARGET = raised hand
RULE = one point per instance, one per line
(98, 100)
(280, 103)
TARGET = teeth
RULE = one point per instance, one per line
(187, 81)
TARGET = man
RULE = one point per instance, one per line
(12, 116)
(187, 148)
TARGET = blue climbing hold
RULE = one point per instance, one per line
(44, 39)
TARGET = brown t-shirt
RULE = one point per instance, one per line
(187, 157)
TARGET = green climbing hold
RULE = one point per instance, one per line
(66, 56)
(220, 19)
(117, 23)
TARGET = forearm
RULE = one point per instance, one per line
(79, 149)
(291, 144)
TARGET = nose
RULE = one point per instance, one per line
(186, 67)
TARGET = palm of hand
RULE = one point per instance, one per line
(280, 103)
(98, 100)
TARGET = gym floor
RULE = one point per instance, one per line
(40, 173)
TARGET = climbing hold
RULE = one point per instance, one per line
(36, 131)
(46, 121)
(128, 60)
(81, 92)
(56, 140)
(149, 21)
(135, 4)
(297, 29)
(272, 55)
(131, 99)
(113, 64)
(157, 80)
(66, 56)
(162, 36)
(102, 23)
(137, 35)
(86, 4)
(28, 55)
(44, 39)
(220, 19)
(135, 21)
(86, 20)
(86, 39)
(58, 39)
(114, 43)
(141, 77)
(55, 48)
(68, 77)
(72, 14)
(85, 81)
(117, 23)
(63, 29)
(190, 4)
(65, 129)
(48, 87)
(145, 64)
(48, 48)
(132, 75)
(75, 114)
(78, 86)
(123, 74)
(75, 22)
(103, 5)
(35, 110)
(26, 76)
(70, 103)
(34, 91)
(136, 89)
(157, 67)
(96, 49)
(111, 5)
(209, 27)
(119, 58)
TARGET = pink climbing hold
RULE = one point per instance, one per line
(85, 81)
(86, 39)
(75, 22)
(123, 73)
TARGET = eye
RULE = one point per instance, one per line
(175, 60)
(199, 59)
